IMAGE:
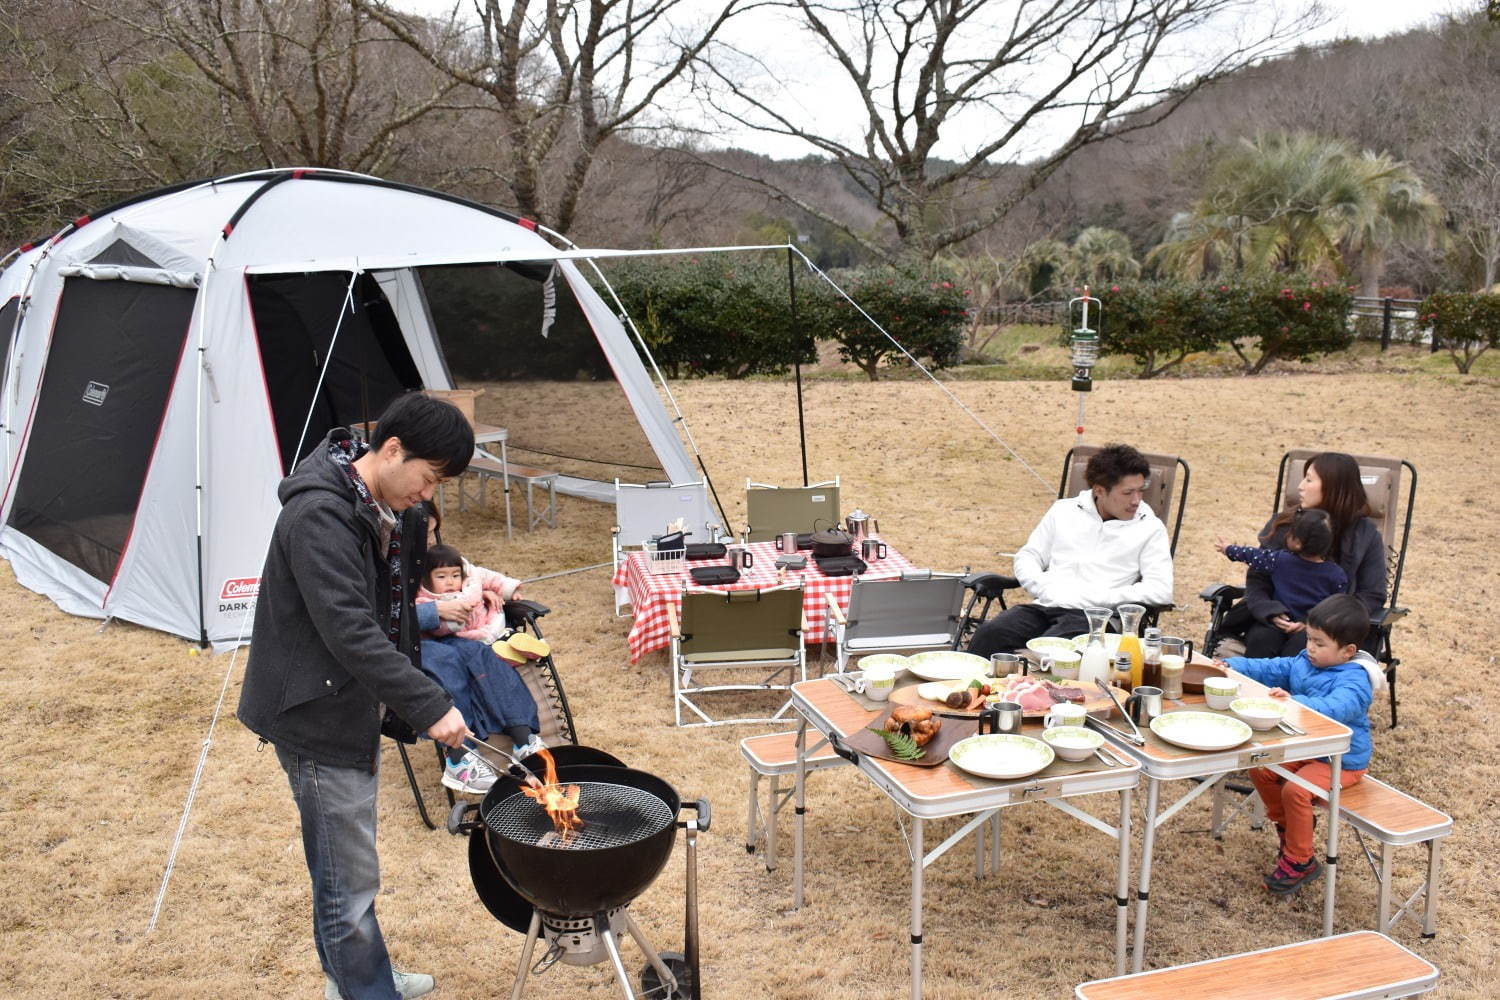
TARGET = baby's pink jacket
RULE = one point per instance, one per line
(477, 580)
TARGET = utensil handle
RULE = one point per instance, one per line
(992, 717)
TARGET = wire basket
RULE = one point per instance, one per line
(666, 561)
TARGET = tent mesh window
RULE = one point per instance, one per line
(555, 392)
(7, 327)
(115, 350)
(295, 318)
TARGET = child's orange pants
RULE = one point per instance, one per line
(1291, 805)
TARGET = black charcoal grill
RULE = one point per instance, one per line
(575, 894)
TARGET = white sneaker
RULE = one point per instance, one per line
(530, 747)
(408, 984)
(472, 774)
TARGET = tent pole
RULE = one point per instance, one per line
(791, 290)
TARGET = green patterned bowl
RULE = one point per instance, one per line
(1259, 713)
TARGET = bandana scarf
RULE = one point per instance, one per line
(343, 453)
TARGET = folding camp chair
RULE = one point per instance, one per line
(770, 510)
(746, 630)
(644, 511)
(918, 612)
(545, 685)
(1167, 485)
(1391, 504)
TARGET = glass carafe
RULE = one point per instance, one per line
(1130, 639)
(1096, 661)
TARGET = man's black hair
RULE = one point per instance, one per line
(1342, 617)
(429, 429)
(1113, 463)
(1313, 530)
(442, 557)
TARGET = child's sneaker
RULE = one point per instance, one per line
(1290, 876)
(529, 646)
(530, 747)
(472, 774)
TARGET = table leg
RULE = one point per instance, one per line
(801, 810)
(1143, 887)
(1330, 888)
(505, 487)
(1122, 885)
(995, 843)
(1383, 895)
(1434, 869)
(917, 871)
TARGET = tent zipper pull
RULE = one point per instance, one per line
(213, 387)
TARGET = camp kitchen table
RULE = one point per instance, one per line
(651, 594)
(925, 793)
(1163, 762)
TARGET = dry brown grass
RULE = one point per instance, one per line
(106, 727)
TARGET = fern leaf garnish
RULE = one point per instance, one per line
(903, 747)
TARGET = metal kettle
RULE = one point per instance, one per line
(860, 525)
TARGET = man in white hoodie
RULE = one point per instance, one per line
(1103, 548)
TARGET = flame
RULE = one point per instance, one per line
(560, 801)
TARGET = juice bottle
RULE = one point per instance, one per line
(1130, 642)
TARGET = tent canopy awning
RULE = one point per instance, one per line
(488, 255)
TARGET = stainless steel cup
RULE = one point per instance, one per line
(1005, 664)
(1008, 717)
(1144, 704)
(787, 542)
(871, 549)
(740, 557)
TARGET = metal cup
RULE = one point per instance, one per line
(872, 548)
(1144, 704)
(1003, 717)
(740, 557)
(1005, 664)
(787, 542)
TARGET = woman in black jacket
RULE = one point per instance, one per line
(1330, 483)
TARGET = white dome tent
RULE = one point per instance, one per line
(167, 360)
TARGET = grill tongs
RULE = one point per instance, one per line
(1133, 737)
(516, 768)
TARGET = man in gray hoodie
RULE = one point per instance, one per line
(334, 642)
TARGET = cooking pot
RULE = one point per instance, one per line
(832, 542)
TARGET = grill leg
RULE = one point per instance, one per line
(526, 950)
(608, 936)
(651, 956)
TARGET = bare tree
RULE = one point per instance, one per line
(563, 76)
(999, 71)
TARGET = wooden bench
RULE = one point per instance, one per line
(1392, 819)
(773, 755)
(1345, 966)
(487, 466)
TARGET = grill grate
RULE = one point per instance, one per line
(613, 816)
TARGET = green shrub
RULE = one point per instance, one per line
(1291, 320)
(926, 314)
(1465, 325)
(719, 315)
(1159, 323)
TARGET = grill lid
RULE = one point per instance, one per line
(613, 816)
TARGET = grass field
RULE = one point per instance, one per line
(107, 726)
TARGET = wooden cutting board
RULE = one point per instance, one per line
(1094, 700)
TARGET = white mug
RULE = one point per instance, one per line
(877, 682)
(1065, 713)
(1064, 665)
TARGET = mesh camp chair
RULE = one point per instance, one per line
(755, 632)
(920, 611)
(545, 685)
(1391, 502)
(1166, 488)
(644, 511)
(770, 510)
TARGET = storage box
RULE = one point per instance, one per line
(461, 398)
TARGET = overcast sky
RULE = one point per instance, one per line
(828, 101)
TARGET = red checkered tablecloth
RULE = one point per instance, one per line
(650, 595)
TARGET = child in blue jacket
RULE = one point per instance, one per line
(1329, 679)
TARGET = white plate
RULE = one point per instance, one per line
(1001, 756)
(1200, 730)
(947, 665)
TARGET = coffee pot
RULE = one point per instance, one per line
(860, 525)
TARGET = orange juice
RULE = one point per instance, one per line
(1131, 643)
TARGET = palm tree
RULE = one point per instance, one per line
(1293, 203)
(1400, 210)
(1100, 255)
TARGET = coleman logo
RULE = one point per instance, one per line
(95, 393)
(239, 589)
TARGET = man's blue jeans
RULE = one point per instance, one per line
(337, 806)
